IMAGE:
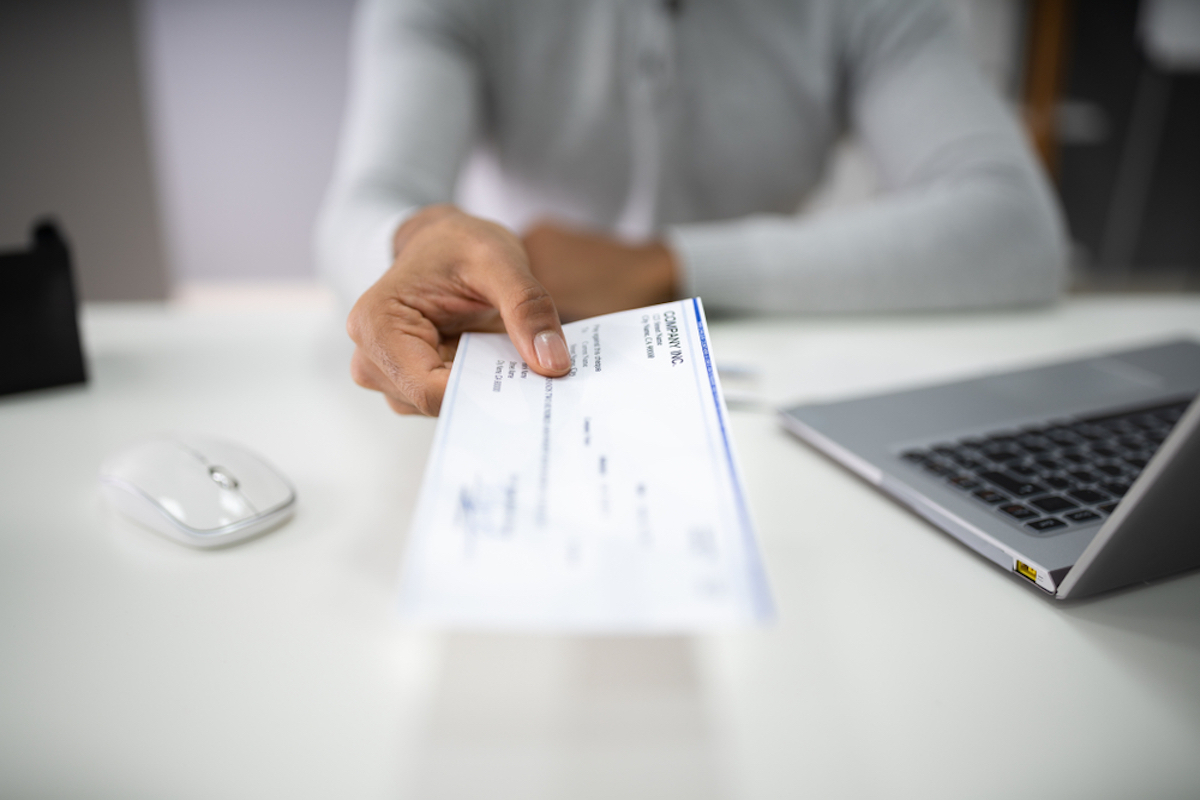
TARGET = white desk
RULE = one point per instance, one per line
(901, 666)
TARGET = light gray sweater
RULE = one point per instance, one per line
(706, 125)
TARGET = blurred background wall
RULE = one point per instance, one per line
(1127, 141)
(178, 141)
(246, 101)
(185, 142)
(74, 141)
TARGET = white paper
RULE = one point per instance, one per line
(607, 500)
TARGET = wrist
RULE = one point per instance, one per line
(418, 221)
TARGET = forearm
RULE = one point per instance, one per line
(988, 241)
(354, 245)
(967, 218)
(410, 120)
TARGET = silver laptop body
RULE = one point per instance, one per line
(1080, 476)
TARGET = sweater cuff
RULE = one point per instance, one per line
(352, 263)
(375, 249)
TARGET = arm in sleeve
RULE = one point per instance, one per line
(410, 119)
(967, 218)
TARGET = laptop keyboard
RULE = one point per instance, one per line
(1050, 478)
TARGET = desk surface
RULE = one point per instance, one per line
(902, 665)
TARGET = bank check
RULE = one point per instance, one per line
(606, 500)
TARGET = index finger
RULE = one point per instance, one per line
(403, 344)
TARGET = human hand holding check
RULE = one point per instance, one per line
(452, 273)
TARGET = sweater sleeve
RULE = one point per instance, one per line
(410, 119)
(966, 219)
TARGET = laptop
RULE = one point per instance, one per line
(1079, 476)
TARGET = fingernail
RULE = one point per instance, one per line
(551, 351)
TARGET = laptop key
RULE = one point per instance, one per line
(1171, 414)
(1063, 438)
(915, 456)
(1088, 496)
(936, 468)
(1082, 515)
(1083, 476)
(1053, 503)
(964, 482)
(988, 496)
(1012, 485)
(1115, 489)
(1046, 524)
(1111, 470)
(1024, 470)
(1144, 421)
(1058, 482)
(1018, 511)
(1107, 508)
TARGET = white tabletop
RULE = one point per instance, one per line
(902, 665)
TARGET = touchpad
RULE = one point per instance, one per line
(1099, 381)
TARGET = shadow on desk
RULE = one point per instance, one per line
(1141, 626)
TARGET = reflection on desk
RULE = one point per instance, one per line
(136, 668)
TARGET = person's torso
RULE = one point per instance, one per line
(635, 114)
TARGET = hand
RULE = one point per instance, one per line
(452, 273)
(589, 274)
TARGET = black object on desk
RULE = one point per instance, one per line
(39, 335)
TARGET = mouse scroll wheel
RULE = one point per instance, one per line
(222, 478)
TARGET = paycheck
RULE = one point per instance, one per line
(608, 500)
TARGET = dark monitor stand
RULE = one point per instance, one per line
(39, 333)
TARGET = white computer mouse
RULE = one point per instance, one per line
(197, 490)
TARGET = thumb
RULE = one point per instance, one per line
(532, 323)
(529, 317)
(528, 312)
